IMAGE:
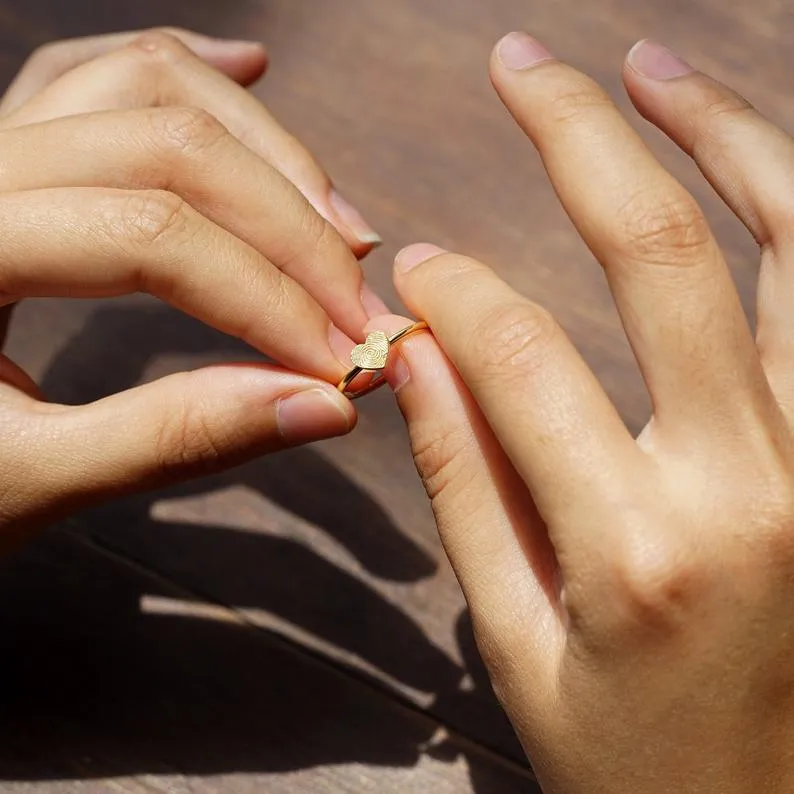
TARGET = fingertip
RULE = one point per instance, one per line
(314, 414)
(651, 60)
(350, 222)
(518, 51)
(414, 255)
(243, 61)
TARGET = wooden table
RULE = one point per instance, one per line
(292, 626)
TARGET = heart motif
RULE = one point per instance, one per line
(373, 354)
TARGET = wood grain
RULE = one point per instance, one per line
(115, 680)
(339, 646)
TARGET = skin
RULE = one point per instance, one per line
(115, 164)
(631, 597)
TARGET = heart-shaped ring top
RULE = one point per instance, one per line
(373, 354)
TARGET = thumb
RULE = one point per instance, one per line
(179, 427)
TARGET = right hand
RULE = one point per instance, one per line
(632, 597)
(129, 173)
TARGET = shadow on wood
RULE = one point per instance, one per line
(94, 687)
(94, 677)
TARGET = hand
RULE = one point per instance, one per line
(631, 598)
(106, 73)
(145, 169)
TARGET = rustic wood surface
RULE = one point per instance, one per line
(292, 626)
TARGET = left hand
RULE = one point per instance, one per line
(140, 167)
(86, 75)
(632, 599)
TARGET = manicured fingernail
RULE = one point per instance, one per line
(414, 255)
(341, 345)
(520, 51)
(373, 305)
(354, 221)
(655, 61)
(398, 374)
(310, 415)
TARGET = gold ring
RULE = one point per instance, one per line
(373, 356)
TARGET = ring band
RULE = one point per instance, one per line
(373, 356)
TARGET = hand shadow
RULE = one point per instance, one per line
(95, 678)
(93, 686)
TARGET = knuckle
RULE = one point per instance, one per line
(150, 216)
(186, 132)
(577, 97)
(46, 56)
(659, 583)
(440, 457)
(721, 114)
(512, 340)
(727, 106)
(150, 57)
(658, 232)
(148, 226)
(161, 44)
(187, 442)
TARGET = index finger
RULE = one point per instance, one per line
(87, 242)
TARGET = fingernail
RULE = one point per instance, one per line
(341, 344)
(241, 43)
(221, 46)
(373, 305)
(398, 374)
(244, 43)
(655, 61)
(310, 415)
(354, 221)
(519, 51)
(414, 255)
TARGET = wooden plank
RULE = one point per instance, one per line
(113, 680)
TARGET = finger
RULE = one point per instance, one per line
(750, 163)
(185, 425)
(545, 407)
(243, 61)
(490, 529)
(188, 152)
(671, 285)
(87, 242)
(159, 70)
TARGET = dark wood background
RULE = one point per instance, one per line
(292, 626)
